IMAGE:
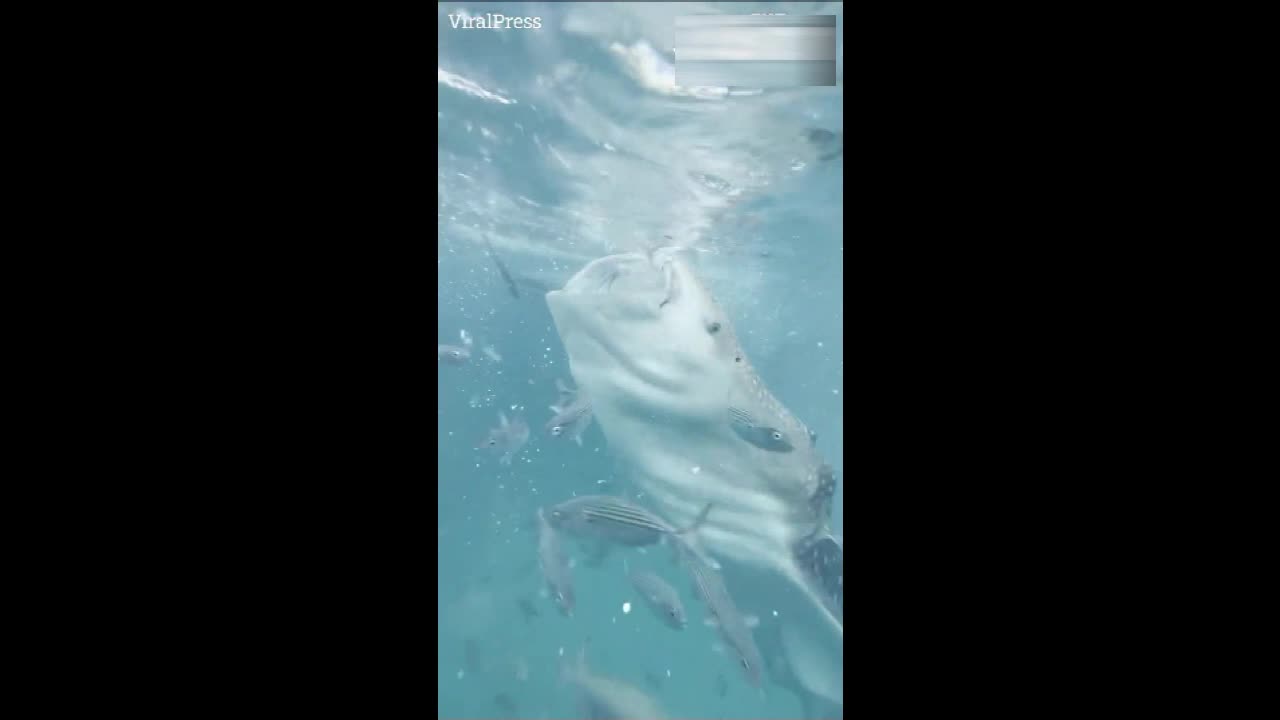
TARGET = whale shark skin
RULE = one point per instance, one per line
(659, 357)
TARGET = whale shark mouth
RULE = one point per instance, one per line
(657, 355)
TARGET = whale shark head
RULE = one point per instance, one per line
(659, 357)
(649, 326)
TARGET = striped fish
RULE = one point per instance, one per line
(762, 436)
(660, 597)
(616, 520)
(734, 626)
(555, 566)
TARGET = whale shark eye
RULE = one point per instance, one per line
(556, 430)
(737, 358)
(492, 442)
(777, 435)
(713, 328)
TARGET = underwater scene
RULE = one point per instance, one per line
(640, 365)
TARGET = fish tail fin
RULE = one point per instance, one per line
(697, 522)
(688, 550)
(567, 395)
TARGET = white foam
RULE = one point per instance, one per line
(457, 82)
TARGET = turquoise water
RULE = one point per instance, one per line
(558, 146)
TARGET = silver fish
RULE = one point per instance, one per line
(453, 354)
(555, 566)
(527, 609)
(655, 681)
(660, 597)
(506, 275)
(762, 436)
(732, 624)
(617, 520)
(507, 438)
(506, 704)
(572, 414)
(603, 698)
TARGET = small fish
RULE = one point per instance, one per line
(506, 439)
(661, 598)
(572, 414)
(535, 285)
(830, 144)
(453, 354)
(763, 437)
(506, 704)
(616, 520)
(655, 681)
(818, 136)
(603, 698)
(527, 609)
(733, 626)
(511, 284)
(554, 565)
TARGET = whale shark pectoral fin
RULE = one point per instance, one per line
(821, 559)
(821, 502)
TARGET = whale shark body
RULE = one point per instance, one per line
(668, 380)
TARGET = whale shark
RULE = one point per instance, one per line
(671, 389)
